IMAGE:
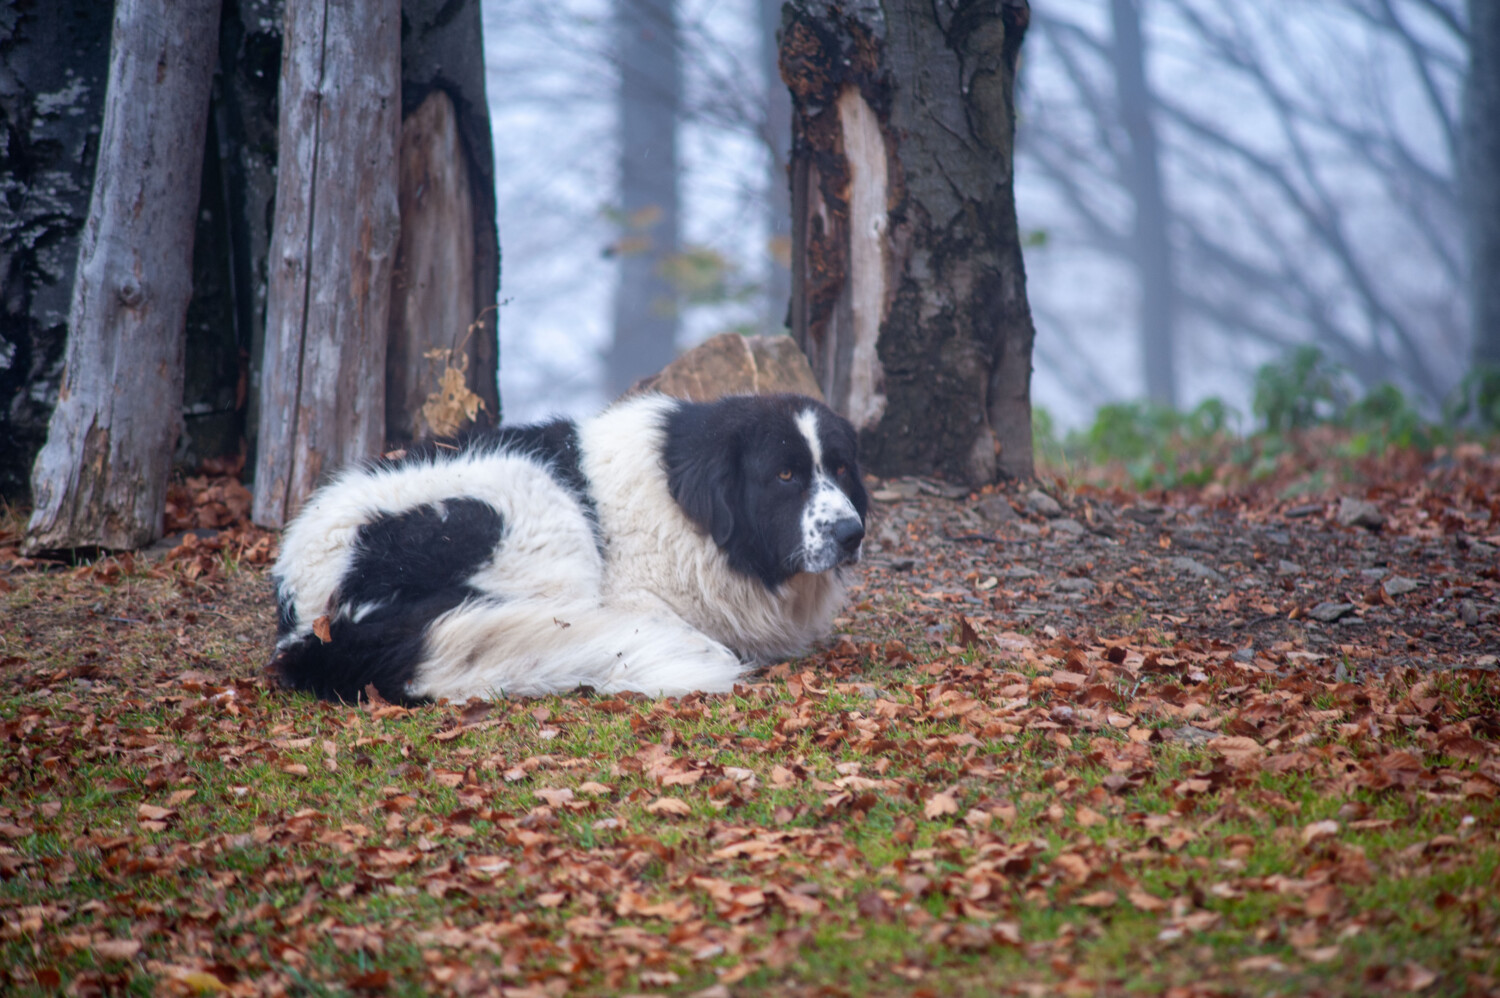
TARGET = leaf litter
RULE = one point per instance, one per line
(1038, 758)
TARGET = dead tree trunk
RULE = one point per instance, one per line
(323, 374)
(909, 294)
(101, 477)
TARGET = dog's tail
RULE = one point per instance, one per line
(535, 647)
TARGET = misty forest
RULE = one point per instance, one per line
(1169, 334)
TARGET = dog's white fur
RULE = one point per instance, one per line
(658, 611)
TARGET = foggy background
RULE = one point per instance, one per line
(1201, 184)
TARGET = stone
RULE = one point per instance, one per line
(1359, 513)
(731, 364)
(1400, 585)
(996, 510)
(1068, 525)
(1329, 612)
(1189, 735)
(1072, 585)
(1042, 504)
(1284, 567)
(1195, 568)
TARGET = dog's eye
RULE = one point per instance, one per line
(786, 475)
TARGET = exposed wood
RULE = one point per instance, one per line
(100, 480)
(909, 290)
(332, 248)
(433, 291)
(442, 48)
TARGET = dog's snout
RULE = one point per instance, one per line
(848, 533)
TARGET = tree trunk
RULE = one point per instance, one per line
(909, 293)
(101, 477)
(332, 247)
(1481, 179)
(442, 48)
(778, 140)
(645, 315)
(54, 62)
(1142, 177)
(432, 296)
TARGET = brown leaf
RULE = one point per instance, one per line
(116, 949)
(1318, 831)
(671, 806)
(940, 804)
(322, 627)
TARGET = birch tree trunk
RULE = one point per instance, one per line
(323, 374)
(909, 294)
(101, 477)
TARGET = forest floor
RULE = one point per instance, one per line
(1233, 740)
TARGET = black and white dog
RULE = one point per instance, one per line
(662, 546)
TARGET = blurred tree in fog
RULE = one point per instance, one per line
(1481, 174)
(1307, 161)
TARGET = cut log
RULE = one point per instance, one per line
(332, 248)
(432, 297)
(101, 478)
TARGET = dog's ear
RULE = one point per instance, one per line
(702, 486)
(702, 462)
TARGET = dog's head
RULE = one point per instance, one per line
(774, 479)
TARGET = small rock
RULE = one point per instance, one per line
(1372, 574)
(1074, 585)
(1399, 585)
(1195, 568)
(1019, 572)
(1329, 612)
(1068, 525)
(1359, 513)
(995, 510)
(1042, 504)
(731, 364)
(1189, 735)
(1284, 567)
(944, 490)
(897, 488)
(1468, 612)
(1278, 537)
(1246, 655)
(1306, 509)
(1196, 539)
(1145, 515)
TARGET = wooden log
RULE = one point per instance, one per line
(100, 480)
(432, 297)
(332, 248)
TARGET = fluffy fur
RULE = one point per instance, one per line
(662, 547)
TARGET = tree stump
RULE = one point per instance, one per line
(332, 248)
(101, 478)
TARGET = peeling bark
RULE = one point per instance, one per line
(332, 248)
(909, 290)
(100, 479)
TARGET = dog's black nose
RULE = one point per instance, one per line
(848, 533)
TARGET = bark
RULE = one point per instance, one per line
(778, 140)
(433, 291)
(645, 310)
(1152, 249)
(54, 61)
(100, 480)
(1481, 178)
(442, 48)
(909, 293)
(332, 248)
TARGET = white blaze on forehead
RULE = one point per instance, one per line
(807, 423)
